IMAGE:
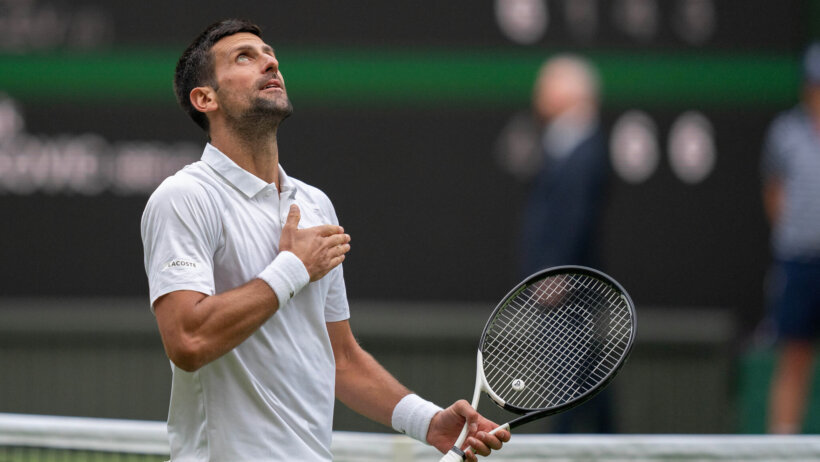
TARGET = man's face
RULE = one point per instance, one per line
(250, 88)
(559, 89)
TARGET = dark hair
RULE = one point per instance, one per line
(195, 67)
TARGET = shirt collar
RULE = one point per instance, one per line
(287, 185)
(245, 181)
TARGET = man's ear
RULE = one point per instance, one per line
(203, 99)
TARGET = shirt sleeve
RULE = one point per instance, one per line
(179, 235)
(336, 304)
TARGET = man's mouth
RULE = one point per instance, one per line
(272, 84)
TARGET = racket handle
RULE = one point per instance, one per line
(454, 455)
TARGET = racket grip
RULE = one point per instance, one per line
(454, 455)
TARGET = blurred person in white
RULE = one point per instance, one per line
(560, 150)
(791, 196)
(246, 283)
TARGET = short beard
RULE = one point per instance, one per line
(263, 117)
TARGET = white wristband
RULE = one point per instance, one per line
(286, 275)
(412, 416)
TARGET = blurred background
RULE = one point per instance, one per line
(403, 114)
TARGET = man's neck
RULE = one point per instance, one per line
(258, 155)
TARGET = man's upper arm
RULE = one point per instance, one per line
(773, 198)
(342, 341)
(173, 312)
(180, 235)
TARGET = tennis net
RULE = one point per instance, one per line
(25, 438)
(29, 438)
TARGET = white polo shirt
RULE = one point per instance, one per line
(210, 228)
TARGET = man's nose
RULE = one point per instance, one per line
(270, 64)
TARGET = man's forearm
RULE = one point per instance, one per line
(363, 385)
(197, 329)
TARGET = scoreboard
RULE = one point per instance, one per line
(398, 108)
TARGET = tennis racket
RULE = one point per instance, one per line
(552, 343)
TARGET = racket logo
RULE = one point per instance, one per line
(518, 385)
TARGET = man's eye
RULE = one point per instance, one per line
(242, 58)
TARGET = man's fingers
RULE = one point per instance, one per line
(484, 443)
(336, 239)
(481, 441)
(337, 261)
(478, 446)
(342, 249)
(463, 408)
(503, 435)
(293, 216)
(329, 230)
(491, 441)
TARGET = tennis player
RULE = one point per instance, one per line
(245, 275)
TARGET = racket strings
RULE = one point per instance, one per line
(523, 319)
(559, 338)
(550, 362)
(578, 366)
(575, 375)
(527, 358)
(560, 388)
